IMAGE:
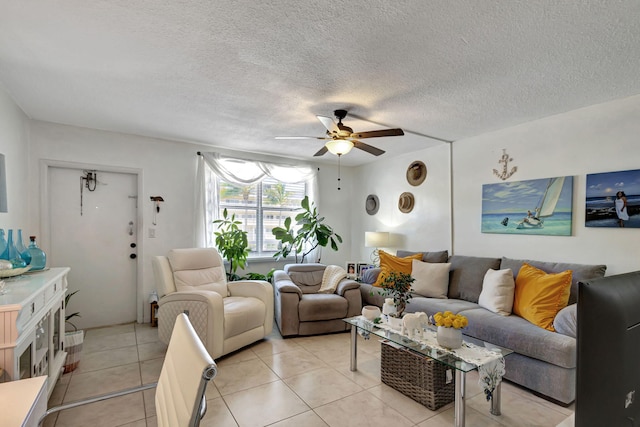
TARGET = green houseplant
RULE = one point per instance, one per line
(232, 242)
(73, 340)
(398, 286)
(311, 233)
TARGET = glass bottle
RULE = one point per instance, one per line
(38, 257)
(14, 255)
(3, 245)
(22, 249)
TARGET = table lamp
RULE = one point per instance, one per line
(376, 239)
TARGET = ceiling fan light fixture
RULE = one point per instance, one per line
(339, 147)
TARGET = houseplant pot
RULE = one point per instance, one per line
(73, 340)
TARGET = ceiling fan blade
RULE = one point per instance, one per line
(329, 124)
(321, 152)
(368, 148)
(378, 133)
(302, 137)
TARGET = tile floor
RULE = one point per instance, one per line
(277, 382)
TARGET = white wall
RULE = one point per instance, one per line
(168, 169)
(14, 145)
(600, 138)
(427, 227)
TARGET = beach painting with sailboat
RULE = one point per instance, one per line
(537, 206)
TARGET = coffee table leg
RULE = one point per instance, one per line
(460, 396)
(354, 348)
(495, 400)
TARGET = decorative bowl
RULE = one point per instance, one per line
(14, 271)
(370, 312)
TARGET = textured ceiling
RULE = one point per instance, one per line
(236, 73)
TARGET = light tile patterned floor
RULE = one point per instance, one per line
(293, 382)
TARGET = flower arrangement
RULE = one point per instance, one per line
(450, 320)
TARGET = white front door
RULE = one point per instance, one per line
(93, 231)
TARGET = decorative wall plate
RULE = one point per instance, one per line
(406, 202)
(372, 204)
(416, 173)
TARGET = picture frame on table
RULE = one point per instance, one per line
(352, 271)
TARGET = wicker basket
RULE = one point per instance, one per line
(418, 377)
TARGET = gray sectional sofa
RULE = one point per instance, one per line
(543, 361)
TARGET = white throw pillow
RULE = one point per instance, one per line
(498, 289)
(431, 279)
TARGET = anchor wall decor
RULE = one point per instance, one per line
(505, 159)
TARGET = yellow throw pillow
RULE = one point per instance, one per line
(540, 296)
(390, 263)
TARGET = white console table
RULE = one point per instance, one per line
(32, 326)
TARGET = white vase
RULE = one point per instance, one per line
(395, 322)
(449, 337)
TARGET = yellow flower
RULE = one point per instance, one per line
(450, 320)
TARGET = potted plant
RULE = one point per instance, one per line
(312, 232)
(232, 242)
(398, 286)
(73, 340)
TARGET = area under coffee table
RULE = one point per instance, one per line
(423, 348)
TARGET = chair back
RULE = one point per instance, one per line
(198, 269)
(186, 371)
(308, 277)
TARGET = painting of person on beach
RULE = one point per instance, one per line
(613, 199)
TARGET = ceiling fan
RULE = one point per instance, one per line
(341, 138)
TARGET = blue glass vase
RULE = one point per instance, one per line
(14, 255)
(3, 245)
(38, 257)
(22, 249)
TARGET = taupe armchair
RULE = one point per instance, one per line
(300, 310)
(226, 316)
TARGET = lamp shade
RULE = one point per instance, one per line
(339, 146)
(376, 239)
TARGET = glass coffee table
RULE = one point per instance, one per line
(359, 325)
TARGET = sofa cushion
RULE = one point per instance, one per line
(566, 321)
(467, 273)
(498, 288)
(433, 305)
(521, 336)
(431, 279)
(438, 256)
(242, 314)
(581, 272)
(389, 263)
(314, 307)
(370, 275)
(539, 296)
(308, 277)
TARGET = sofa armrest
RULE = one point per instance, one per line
(251, 288)
(283, 283)
(345, 285)
(207, 310)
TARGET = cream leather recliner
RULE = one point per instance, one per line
(226, 316)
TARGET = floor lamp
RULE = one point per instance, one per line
(376, 239)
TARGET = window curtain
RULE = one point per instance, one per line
(242, 172)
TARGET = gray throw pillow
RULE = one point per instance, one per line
(466, 276)
(370, 275)
(566, 321)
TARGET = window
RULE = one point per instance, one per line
(259, 207)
